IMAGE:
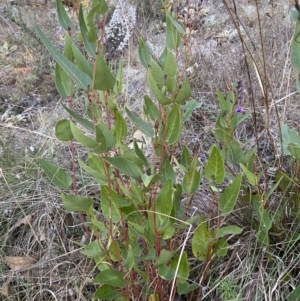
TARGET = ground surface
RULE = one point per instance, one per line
(33, 223)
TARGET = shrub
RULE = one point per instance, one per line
(138, 242)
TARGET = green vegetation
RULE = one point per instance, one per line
(141, 237)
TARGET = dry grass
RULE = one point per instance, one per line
(49, 234)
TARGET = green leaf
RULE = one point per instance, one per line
(140, 154)
(184, 288)
(82, 63)
(92, 30)
(57, 176)
(183, 95)
(294, 296)
(173, 40)
(64, 20)
(171, 71)
(93, 250)
(108, 207)
(189, 107)
(147, 179)
(177, 25)
(221, 247)
(137, 196)
(265, 221)
(63, 82)
(163, 56)
(167, 172)
(157, 73)
(289, 136)
(80, 78)
(214, 169)
(81, 137)
(233, 152)
(238, 119)
(99, 225)
(228, 230)
(120, 128)
(226, 106)
(295, 14)
(222, 133)
(106, 292)
(186, 157)
(63, 130)
(250, 176)
(200, 240)
(229, 196)
(295, 48)
(98, 176)
(173, 125)
(68, 52)
(162, 99)
(144, 53)
(84, 122)
(142, 125)
(165, 272)
(130, 155)
(104, 138)
(294, 150)
(274, 187)
(164, 257)
(164, 205)
(128, 167)
(263, 238)
(97, 163)
(150, 108)
(168, 229)
(129, 260)
(77, 203)
(191, 181)
(110, 277)
(183, 270)
(89, 46)
(101, 6)
(92, 110)
(104, 80)
(119, 200)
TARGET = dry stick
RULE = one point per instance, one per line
(75, 190)
(179, 260)
(266, 81)
(245, 49)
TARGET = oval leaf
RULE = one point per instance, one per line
(128, 167)
(110, 277)
(200, 240)
(57, 176)
(89, 46)
(229, 196)
(80, 78)
(106, 292)
(214, 169)
(228, 230)
(142, 125)
(104, 80)
(173, 125)
(81, 137)
(63, 81)
(77, 203)
(64, 20)
(63, 130)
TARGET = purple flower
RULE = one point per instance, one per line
(239, 110)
